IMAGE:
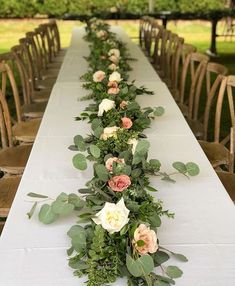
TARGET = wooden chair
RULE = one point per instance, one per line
(217, 151)
(177, 68)
(192, 76)
(228, 178)
(13, 158)
(172, 52)
(145, 34)
(34, 73)
(59, 51)
(29, 108)
(23, 131)
(8, 189)
(197, 123)
(49, 47)
(160, 52)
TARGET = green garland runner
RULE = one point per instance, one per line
(120, 217)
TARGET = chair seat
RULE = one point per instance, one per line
(26, 131)
(228, 180)
(217, 153)
(8, 188)
(34, 110)
(50, 73)
(40, 96)
(45, 84)
(13, 159)
(197, 128)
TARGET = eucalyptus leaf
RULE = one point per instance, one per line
(151, 189)
(95, 151)
(79, 161)
(180, 257)
(159, 111)
(46, 215)
(102, 172)
(161, 283)
(180, 167)
(192, 169)
(174, 272)
(161, 257)
(79, 142)
(133, 266)
(95, 123)
(32, 210)
(155, 220)
(62, 208)
(165, 279)
(146, 262)
(98, 131)
(35, 195)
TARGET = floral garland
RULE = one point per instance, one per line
(119, 238)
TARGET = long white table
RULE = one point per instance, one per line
(32, 254)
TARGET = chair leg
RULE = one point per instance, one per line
(1, 226)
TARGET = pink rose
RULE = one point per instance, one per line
(109, 163)
(148, 236)
(126, 123)
(123, 104)
(112, 84)
(113, 90)
(119, 183)
(98, 76)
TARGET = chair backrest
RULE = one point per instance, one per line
(145, 33)
(55, 34)
(160, 49)
(5, 118)
(172, 52)
(193, 72)
(7, 76)
(20, 58)
(214, 76)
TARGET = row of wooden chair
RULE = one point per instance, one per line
(202, 90)
(28, 73)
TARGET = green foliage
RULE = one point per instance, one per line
(199, 6)
(18, 9)
(55, 8)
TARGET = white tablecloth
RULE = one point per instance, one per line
(32, 254)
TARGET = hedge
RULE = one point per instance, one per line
(57, 8)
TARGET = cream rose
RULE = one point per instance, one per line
(114, 52)
(105, 105)
(109, 163)
(112, 67)
(113, 217)
(134, 143)
(101, 34)
(109, 132)
(98, 76)
(114, 59)
(115, 76)
(146, 235)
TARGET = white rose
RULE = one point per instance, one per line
(105, 105)
(134, 143)
(109, 132)
(114, 52)
(113, 217)
(115, 76)
(112, 67)
(101, 34)
(98, 76)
